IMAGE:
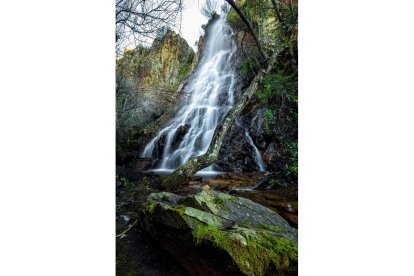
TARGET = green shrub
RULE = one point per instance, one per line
(234, 20)
(184, 69)
(248, 67)
(125, 182)
(291, 167)
(278, 85)
(268, 120)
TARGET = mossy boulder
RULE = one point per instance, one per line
(219, 234)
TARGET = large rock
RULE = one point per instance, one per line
(212, 233)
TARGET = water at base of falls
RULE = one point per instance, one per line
(211, 96)
(202, 173)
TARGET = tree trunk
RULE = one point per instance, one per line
(249, 27)
(185, 171)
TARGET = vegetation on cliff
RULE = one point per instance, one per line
(277, 98)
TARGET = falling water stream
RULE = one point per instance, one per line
(257, 156)
(211, 96)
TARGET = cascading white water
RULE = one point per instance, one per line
(257, 155)
(211, 96)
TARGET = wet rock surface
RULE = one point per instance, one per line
(236, 155)
(257, 186)
(213, 233)
(284, 201)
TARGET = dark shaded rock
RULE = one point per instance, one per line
(236, 154)
(142, 164)
(196, 178)
(211, 233)
(270, 155)
(256, 124)
(128, 172)
(118, 183)
(137, 254)
(181, 131)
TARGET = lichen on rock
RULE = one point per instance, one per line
(257, 240)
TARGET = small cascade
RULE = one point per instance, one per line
(257, 156)
(211, 96)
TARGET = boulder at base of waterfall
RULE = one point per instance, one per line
(212, 233)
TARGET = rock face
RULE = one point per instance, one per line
(212, 233)
(168, 62)
(155, 75)
(236, 154)
(165, 66)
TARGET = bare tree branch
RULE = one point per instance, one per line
(209, 8)
(138, 20)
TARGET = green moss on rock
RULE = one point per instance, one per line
(252, 251)
(150, 206)
(232, 225)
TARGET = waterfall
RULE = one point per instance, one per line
(257, 155)
(211, 96)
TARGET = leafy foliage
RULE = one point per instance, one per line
(125, 182)
(234, 20)
(279, 96)
(291, 169)
(248, 68)
(279, 85)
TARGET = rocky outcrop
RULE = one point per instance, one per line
(156, 72)
(168, 62)
(212, 233)
(158, 76)
(165, 64)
